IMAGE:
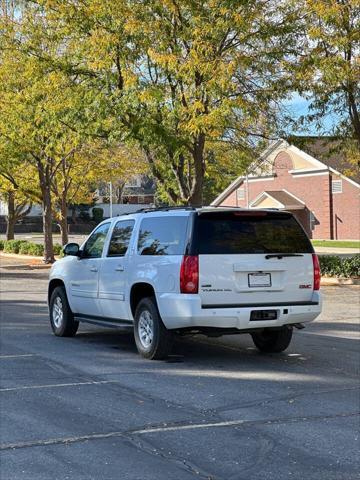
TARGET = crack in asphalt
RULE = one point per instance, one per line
(180, 462)
(175, 426)
(235, 406)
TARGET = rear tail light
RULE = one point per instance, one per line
(189, 274)
(317, 274)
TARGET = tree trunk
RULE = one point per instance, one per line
(73, 214)
(196, 193)
(64, 223)
(10, 218)
(47, 218)
(119, 191)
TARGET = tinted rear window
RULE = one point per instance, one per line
(162, 236)
(236, 233)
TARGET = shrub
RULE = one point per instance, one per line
(2, 244)
(351, 266)
(36, 249)
(98, 214)
(24, 248)
(28, 248)
(334, 266)
(13, 246)
(330, 265)
(58, 249)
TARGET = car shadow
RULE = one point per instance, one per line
(197, 348)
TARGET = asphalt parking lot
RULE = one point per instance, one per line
(89, 407)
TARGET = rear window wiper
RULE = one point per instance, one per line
(282, 255)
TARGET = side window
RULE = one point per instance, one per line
(120, 238)
(95, 243)
(162, 236)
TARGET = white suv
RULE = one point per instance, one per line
(215, 271)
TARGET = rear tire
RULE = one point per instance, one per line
(152, 339)
(61, 317)
(273, 341)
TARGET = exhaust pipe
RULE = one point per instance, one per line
(299, 326)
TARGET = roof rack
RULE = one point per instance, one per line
(225, 206)
(164, 209)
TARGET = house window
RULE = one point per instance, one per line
(241, 193)
(133, 182)
(336, 186)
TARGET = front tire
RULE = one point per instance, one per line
(273, 341)
(152, 339)
(61, 317)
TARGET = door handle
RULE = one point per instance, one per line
(93, 269)
(119, 268)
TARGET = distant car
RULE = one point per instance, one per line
(214, 271)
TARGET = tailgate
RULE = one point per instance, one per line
(250, 280)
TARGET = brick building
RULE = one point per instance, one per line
(325, 200)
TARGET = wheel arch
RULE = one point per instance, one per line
(139, 291)
(55, 282)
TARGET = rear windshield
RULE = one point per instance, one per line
(241, 232)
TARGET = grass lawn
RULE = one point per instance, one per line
(336, 243)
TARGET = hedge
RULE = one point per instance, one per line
(27, 248)
(13, 246)
(334, 266)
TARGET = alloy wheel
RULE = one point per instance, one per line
(146, 329)
(58, 312)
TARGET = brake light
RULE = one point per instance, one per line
(189, 274)
(317, 273)
(251, 213)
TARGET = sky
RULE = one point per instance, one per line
(299, 106)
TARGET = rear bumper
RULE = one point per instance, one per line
(185, 311)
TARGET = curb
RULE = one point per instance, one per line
(27, 266)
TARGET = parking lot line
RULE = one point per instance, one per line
(18, 356)
(55, 385)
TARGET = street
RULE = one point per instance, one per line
(90, 407)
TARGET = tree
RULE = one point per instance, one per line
(17, 186)
(35, 105)
(48, 119)
(328, 69)
(39, 111)
(177, 77)
(17, 208)
(84, 168)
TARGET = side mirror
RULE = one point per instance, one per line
(72, 249)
